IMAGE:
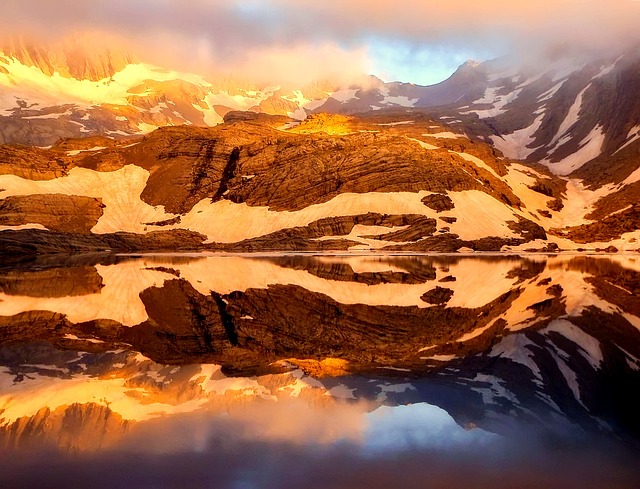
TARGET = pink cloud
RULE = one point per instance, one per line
(293, 37)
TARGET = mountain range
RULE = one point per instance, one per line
(104, 152)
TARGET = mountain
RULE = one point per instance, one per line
(332, 182)
(574, 111)
(77, 90)
(369, 184)
(77, 57)
(501, 156)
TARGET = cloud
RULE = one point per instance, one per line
(290, 38)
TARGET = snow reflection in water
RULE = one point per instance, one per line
(465, 361)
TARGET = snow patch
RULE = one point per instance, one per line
(495, 390)
(344, 96)
(632, 137)
(78, 151)
(499, 102)
(588, 346)
(399, 123)
(517, 348)
(570, 378)
(571, 118)
(476, 161)
(55, 115)
(548, 95)
(428, 146)
(589, 148)
(341, 392)
(478, 214)
(514, 145)
(119, 190)
(440, 358)
(75, 338)
(22, 226)
(393, 388)
(400, 100)
(444, 135)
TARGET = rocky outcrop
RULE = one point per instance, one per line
(414, 270)
(30, 241)
(33, 163)
(61, 213)
(528, 229)
(606, 229)
(251, 165)
(284, 177)
(314, 236)
(438, 202)
(439, 295)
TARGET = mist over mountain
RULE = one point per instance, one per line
(283, 40)
(281, 243)
(572, 121)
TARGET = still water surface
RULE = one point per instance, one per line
(320, 371)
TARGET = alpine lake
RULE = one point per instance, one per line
(317, 371)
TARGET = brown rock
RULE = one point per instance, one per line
(57, 212)
(439, 295)
(438, 202)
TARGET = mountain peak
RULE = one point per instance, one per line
(471, 63)
(82, 56)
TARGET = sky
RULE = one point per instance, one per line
(418, 41)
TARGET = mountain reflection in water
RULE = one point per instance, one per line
(320, 371)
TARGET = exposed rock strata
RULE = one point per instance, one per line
(56, 212)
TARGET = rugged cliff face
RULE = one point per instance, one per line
(332, 182)
(565, 110)
(500, 156)
(81, 57)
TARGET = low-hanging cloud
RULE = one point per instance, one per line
(291, 40)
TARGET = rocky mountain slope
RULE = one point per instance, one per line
(498, 157)
(332, 182)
